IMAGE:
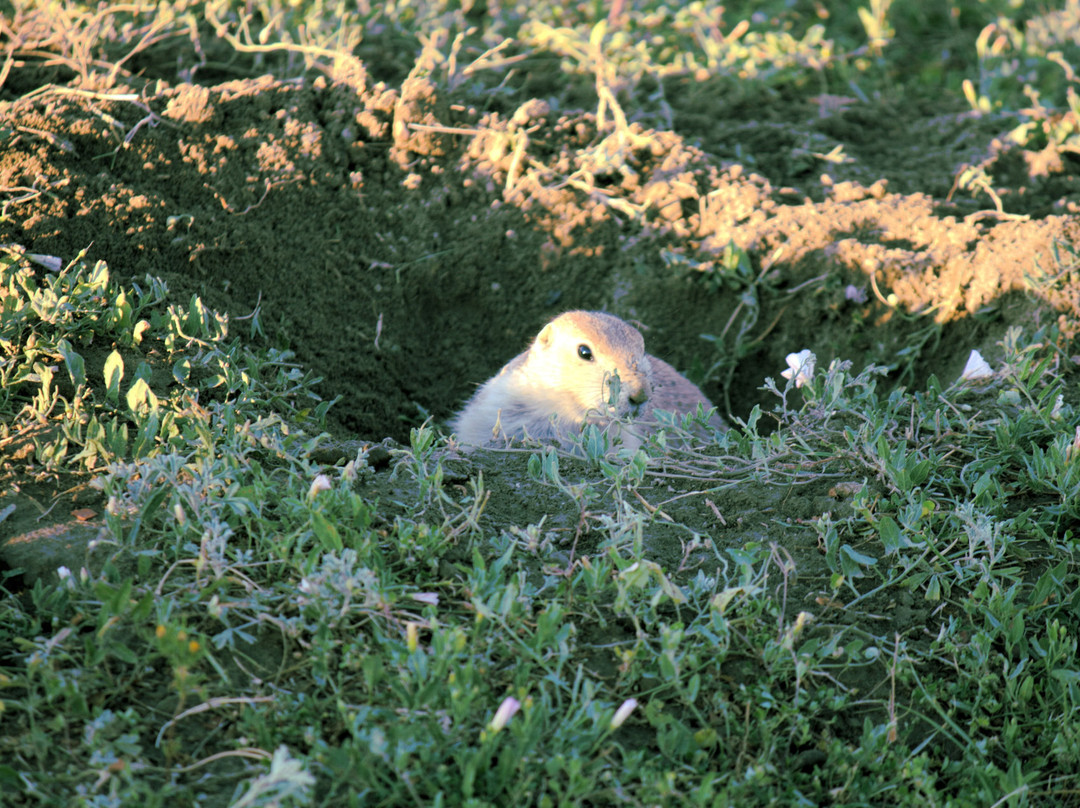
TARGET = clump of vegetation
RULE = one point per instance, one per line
(412, 652)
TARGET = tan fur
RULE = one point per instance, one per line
(549, 391)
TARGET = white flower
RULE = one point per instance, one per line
(318, 485)
(66, 578)
(506, 711)
(800, 367)
(623, 713)
(976, 368)
(852, 292)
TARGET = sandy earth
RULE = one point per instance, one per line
(405, 244)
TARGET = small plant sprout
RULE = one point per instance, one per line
(794, 631)
(286, 781)
(800, 367)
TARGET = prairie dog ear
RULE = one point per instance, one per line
(545, 336)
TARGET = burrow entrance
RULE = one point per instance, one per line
(406, 246)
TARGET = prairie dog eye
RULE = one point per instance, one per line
(585, 352)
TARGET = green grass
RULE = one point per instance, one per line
(395, 629)
(265, 630)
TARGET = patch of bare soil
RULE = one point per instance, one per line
(406, 244)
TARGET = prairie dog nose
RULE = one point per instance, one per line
(638, 389)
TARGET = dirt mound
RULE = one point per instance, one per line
(406, 244)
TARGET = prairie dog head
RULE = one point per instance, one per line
(575, 358)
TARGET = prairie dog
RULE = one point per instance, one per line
(565, 379)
